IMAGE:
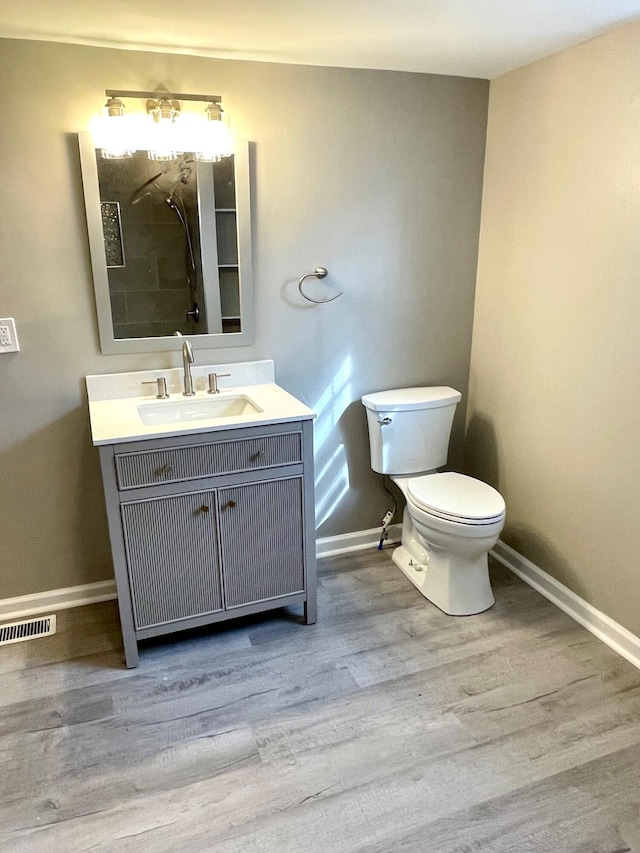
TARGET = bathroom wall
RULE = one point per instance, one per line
(375, 175)
(554, 417)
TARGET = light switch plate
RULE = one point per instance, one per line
(8, 335)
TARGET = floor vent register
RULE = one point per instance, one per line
(27, 629)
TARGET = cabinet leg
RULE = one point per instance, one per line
(130, 650)
(310, 611)
(131, 658)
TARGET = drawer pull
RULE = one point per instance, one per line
(231, 504)
(204, 508)
(166, 469)
(257, 455)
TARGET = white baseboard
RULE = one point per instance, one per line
(329, 546)
(602, 626)
(56, 599)
(92, 593)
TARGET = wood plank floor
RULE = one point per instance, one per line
(388, 726)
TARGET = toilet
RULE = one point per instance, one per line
(450, 521)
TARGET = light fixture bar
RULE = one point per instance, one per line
(166, 133)
(169, 96)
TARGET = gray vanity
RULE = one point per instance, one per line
(209, 494)
(210, 517)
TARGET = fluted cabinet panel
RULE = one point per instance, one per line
(173, 557)
(261, 536)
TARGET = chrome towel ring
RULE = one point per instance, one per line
(319, 272)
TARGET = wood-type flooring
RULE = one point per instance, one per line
(388, 726)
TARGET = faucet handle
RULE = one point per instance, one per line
(213, 382)
(161, 387)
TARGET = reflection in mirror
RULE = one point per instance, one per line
(170, 248)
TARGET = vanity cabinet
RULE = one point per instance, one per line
(210, 526)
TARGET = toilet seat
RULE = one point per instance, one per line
(456, 497)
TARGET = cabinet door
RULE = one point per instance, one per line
(261, 539)
(172, 557)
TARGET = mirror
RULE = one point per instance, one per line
(170, 247)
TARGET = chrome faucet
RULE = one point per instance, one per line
(187, 361)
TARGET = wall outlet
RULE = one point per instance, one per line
(8, 335)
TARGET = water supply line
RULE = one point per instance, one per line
(388, 517)
(384, 535)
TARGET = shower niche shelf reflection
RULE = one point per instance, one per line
(227, 246)
(170, 249)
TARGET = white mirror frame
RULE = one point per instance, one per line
(109, 344)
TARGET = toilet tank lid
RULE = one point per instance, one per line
(403, 399)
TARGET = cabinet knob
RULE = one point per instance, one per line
(231, 504)
(166, 469)
(204, 508)
(257, 455)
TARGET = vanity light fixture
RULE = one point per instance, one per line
(215, 140)
(165, 144)
(113, 144)
(164, 129)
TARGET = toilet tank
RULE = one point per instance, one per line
(409, 428)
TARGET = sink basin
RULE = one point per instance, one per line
(199, 409)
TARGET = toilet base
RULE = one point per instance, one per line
(458, 586)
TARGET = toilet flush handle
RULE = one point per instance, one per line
(384, 421)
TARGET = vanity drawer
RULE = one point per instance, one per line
(153, 467)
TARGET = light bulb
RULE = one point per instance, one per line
(214, 141)
(164, 135)
(110, 131)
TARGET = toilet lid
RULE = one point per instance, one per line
(456, 497)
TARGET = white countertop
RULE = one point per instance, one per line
(114, 401)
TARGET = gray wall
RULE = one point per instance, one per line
(554, 418)
(376, 175)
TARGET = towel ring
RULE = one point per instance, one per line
(319, 272)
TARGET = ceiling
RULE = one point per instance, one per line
(470, 38)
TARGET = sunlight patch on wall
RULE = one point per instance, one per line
(332, 472)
